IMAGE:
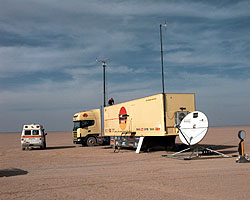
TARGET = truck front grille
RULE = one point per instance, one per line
(74, 134)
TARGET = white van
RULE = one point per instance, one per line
(33, 135)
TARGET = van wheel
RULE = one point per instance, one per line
(91, 141)
(43, 146)
(23, 148)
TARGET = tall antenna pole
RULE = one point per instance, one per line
(162, 67)
(104, 83)
(162, 76)
(104, 79)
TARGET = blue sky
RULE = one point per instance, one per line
(48, 50)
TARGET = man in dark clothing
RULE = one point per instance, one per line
(111, 101)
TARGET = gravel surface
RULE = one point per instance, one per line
(66, 171)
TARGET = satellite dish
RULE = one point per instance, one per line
(193, 128)
(242, 134)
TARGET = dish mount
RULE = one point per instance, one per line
(192, 129)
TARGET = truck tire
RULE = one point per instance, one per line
(91, 141)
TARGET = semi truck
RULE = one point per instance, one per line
(152, 119)
(87, 128)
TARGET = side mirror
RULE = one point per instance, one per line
(45, 134)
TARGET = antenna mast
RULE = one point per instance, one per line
(162, 76)
(104, 65)
(162, 67)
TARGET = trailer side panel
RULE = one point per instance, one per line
(140, 117)
(175, 103)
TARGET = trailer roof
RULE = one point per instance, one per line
(150, 96)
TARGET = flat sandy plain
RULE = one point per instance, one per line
(66, 171)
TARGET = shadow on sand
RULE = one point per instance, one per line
(60, 147)
(179, 147)
(220, 148)
(51, 148)
(12, 172)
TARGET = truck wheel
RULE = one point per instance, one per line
(91, 141)
(23, 148)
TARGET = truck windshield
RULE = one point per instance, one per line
(83, 124)
(76, 125)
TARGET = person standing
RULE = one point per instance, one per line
(111, 101)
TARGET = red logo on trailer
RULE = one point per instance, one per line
(85, 115)
(123, 118)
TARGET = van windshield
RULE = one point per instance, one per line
(83, 124)
(27, 132)
(35, 132)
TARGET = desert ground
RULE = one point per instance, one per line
(68, 171)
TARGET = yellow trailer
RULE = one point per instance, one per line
(147, 117)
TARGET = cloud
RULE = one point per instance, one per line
(48, 51)
(226, 101)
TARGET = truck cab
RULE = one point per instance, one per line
(87, 127)
(33, 135)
